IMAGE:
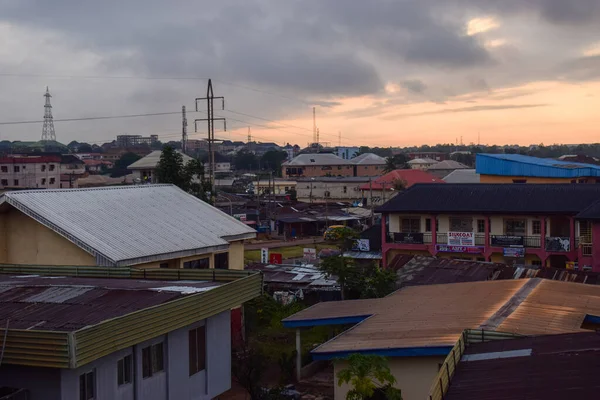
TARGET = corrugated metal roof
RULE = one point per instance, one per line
(368, 159)
(436, 315)
(151, 160)
(558, 367)
(448, 164)
(67, 304)
(316, 159)
(132, 224)
(520, 165)
(462, 176)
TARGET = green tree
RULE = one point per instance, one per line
(170, 168)
(272, 160)
(399, 161)
(293, 194)
(194, 180)
(390, 165)
(244, 160)
(120, 166)
(370, 378)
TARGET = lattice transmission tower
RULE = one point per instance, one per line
(48, 128)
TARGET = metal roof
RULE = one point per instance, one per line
(368, 159)
(68, 304)
(448, 164)
(462, 176)
(151, 160)
(489, 198)
(130, 225)
(316, 159)
(520, 165)
(434, 316)
(540, 367)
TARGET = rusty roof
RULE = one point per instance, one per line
(68, 304)
(540, 367)
(434, 316)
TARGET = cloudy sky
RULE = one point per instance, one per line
(382, 72)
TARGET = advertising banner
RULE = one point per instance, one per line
(361, 245)
(517, 252)
(408, 238)
(442, 248)
(310, 254)
(508, 241)
(461, 239)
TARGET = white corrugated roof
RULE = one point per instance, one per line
(368, 159)
(448, 164)
(317, 159)
(152, 159)
(462, 176)
(423, 161)
(130, 225)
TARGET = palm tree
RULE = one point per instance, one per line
(390, 164)
(370, 378)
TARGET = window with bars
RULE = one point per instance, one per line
(201, 263)
(197, 350)
(481, 226)
(536, 227)
(515, 227)
(87, 386)
(124, 370)
(411, 225)
(461, 224)
(152, 360)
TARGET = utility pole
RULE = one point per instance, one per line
(315, 125)
(249, 136)
(184, 135)
(210, 97)
(317, 140)
(371, 201)
(340, 138)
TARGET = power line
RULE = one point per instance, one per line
(91, 118)
(154, 78)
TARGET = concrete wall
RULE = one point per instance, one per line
(336, 190)
(43, 383)
(319, 170)
(32, 175)
(369, 170)
(414, 376)
(236, 255)
(29, 242)
(172, 383)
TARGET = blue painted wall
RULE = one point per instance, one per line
(520, 165)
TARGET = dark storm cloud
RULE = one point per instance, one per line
(414, 85)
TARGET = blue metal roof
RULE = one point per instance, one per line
(520, 165)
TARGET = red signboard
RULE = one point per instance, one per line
(275, 258)
(442, 248)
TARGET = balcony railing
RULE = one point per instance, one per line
(552, 244)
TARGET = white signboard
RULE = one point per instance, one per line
(241, 217)
(264, 255)
(461, 239)
(310, 254)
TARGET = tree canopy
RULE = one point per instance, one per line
(120, 166)
(370, 378)
(188, 177)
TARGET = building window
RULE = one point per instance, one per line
(536, 227)
(197, 350)
(327, 194)
(583, 181)
(411, 225)
(87, 386)
(124, 370)
(536, 262)
(43, 167)
(481, 226)
(461, 224)
(201, 263)
(152, 360)
(222, 261)
(4, 182)
(52, 166)
(52, 181)
(515, 227)
(428, 225)
(16, 168)
(4, 168)
(166, 265)
(16, 182)
(345, 189)
(43, 181)
(519, 180)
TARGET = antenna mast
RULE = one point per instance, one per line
(184, 135)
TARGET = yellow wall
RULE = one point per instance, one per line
(29, 242)
(414, 376)
(529, 179)
(25, 241)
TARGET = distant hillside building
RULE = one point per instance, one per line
(517, 168)
(124, 141)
